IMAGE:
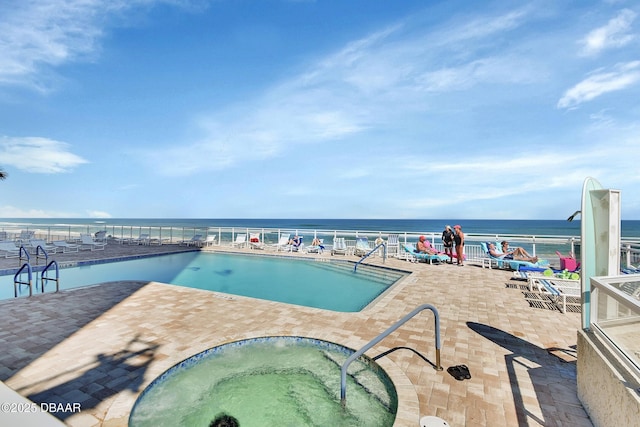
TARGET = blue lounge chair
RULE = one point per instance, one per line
(512, 264)
(362, 246)
(410, 254)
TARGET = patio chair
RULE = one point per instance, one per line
(9, 249)
(210, 240)
(194, 241)
(339, 246)
(316, 249)
(66, 246)
(512, 264)
(283, 242)
(393, 245)
(87, 242)
(255, 242)
(296, 246)
(557, 289)
(362, 246)
(34, 243)
(142, 239)
(411, 255)
(240, 242)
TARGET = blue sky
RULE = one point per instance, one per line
(316, 109)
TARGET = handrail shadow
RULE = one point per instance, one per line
(540, 364)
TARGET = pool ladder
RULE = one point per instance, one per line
(376, 340)
(384, 255)
(26, 268)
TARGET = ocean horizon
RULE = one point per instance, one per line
(630, 228)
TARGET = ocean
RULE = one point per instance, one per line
(630, 228)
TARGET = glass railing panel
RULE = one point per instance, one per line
(616, 315)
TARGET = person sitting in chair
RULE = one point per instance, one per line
(517, 254)
(295, 241)
(424, 247)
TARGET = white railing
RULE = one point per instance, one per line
(543, 246)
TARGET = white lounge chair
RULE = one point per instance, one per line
(393, 245)
(209, 241)
(316, 249)
(142, 239)
(87, 242)
(283, 242)
(66, 246)
(558, 289)
(255, 242)
(339, 246)
(194, 241)
(34, 243)
(9, 249)
(240, 242)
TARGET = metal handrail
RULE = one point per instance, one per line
(46, 255)
(384, 255)
(44, 278)
(27, 257)
(376, 340)
(17, 281)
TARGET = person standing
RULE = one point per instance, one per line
(447, 241)
(458, 239)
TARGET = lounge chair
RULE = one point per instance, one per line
(142, 239)
(339, 246)
(316, 249)
(410, 254)
(240, 242)
(66, 246)
(393, 245)
(512, 264)
(210, 240)
(87, 242)
(255, 242)
(296, 246)
(194, 241)
(9, 249)
(558, 289)
(34, 243)
(283, 242)
(362, 246)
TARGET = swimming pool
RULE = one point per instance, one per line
(327, 285)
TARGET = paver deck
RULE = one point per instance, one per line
(101, 345)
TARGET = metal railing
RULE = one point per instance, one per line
(44, 278)
(384, 255)
(17, 279)
(383, 335)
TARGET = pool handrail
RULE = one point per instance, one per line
(43, 278)
(376, 340)
(384, 255)
(17, 279)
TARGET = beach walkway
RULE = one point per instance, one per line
(101, 345)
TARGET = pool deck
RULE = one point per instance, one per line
(101, 345)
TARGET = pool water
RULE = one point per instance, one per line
(327, 285)
(273, 381)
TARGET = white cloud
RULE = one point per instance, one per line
(38, 34)
(601, 82)
(14, 212)
(38, 155)
(615, 34)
